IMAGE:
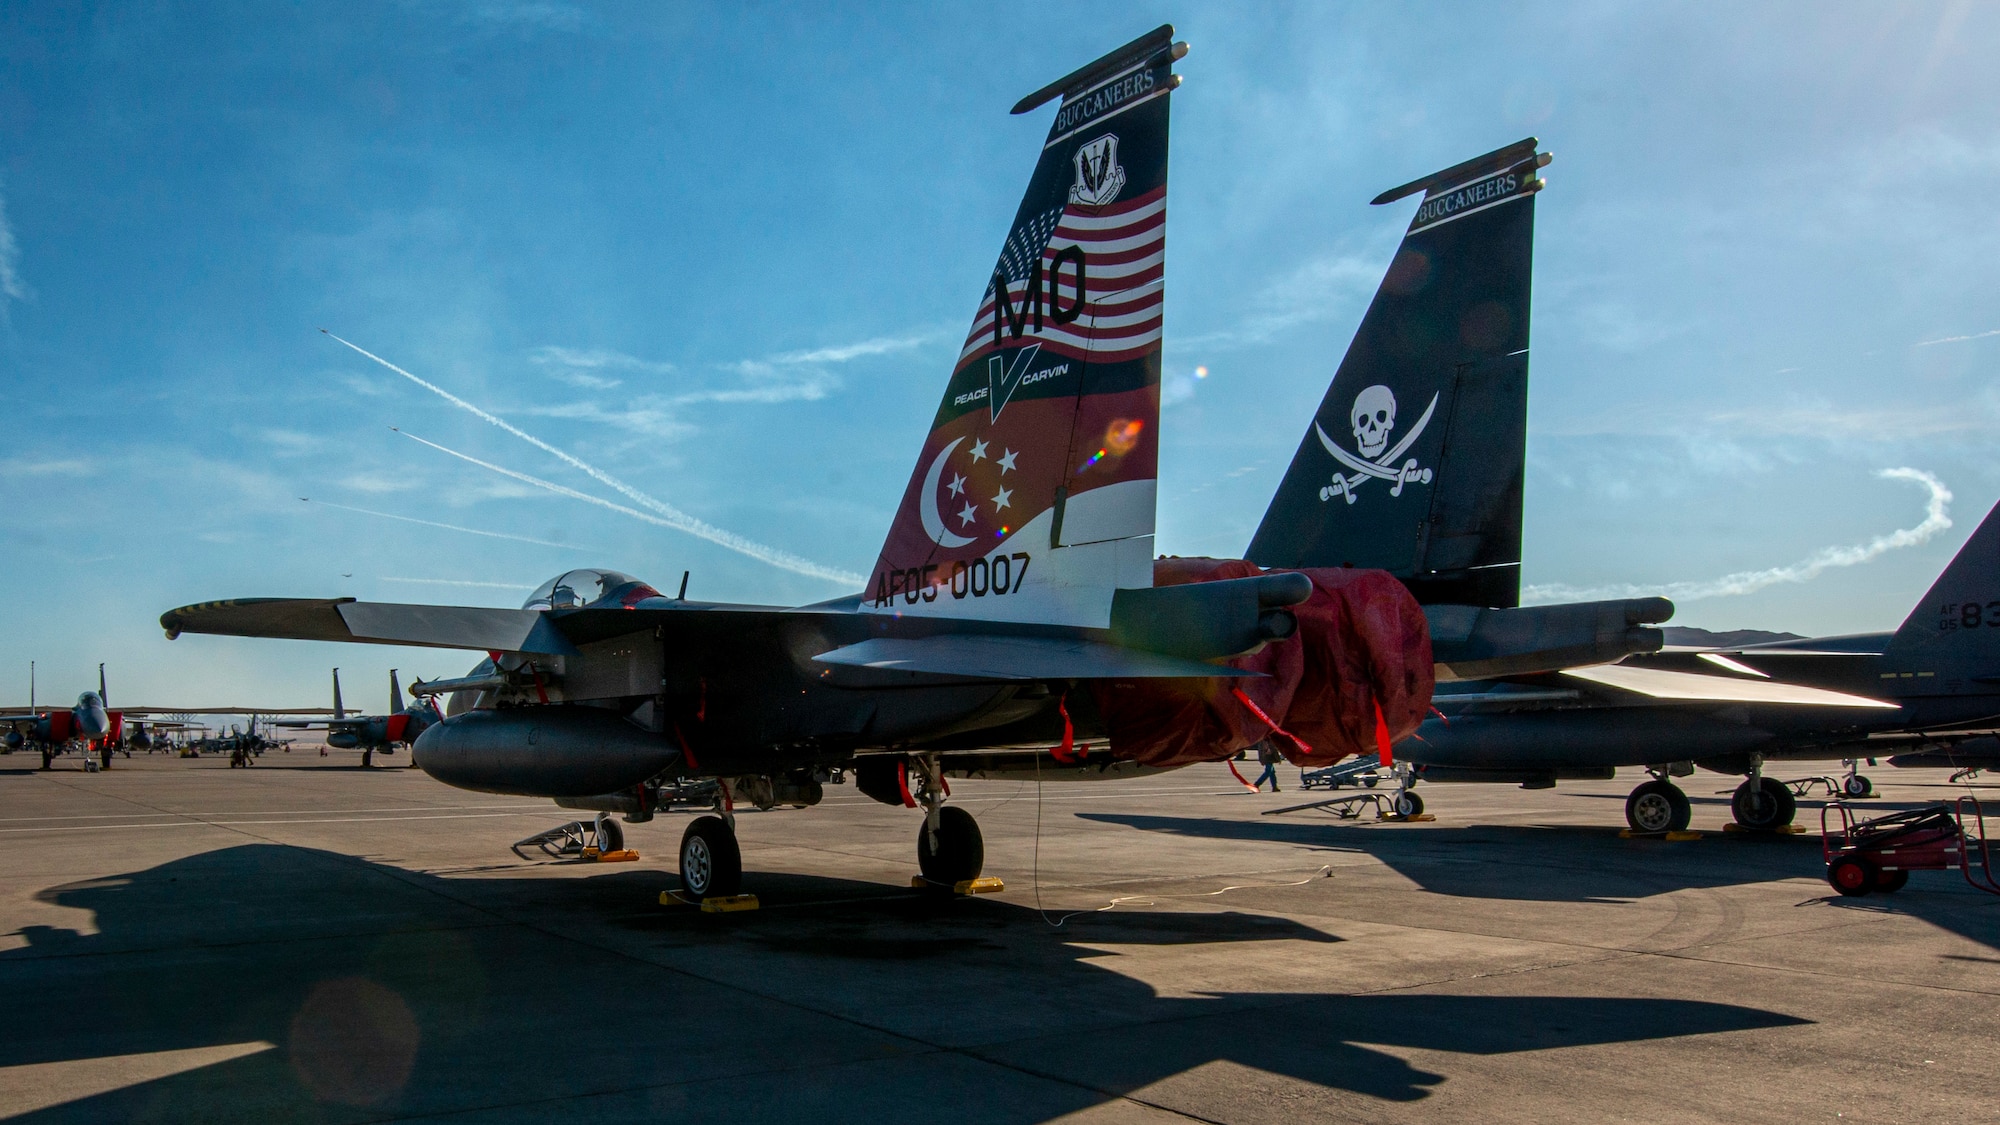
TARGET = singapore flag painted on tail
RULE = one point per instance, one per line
(1033, 497)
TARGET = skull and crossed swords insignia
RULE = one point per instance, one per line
(1373, 417)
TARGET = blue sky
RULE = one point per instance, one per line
(721, 253)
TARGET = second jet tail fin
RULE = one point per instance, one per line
(1954, 632)
(1413, 462)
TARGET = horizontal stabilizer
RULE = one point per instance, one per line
(474, 628)
(1477, 643)
(1659, 684)
(1018, 658)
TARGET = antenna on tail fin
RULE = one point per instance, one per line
(1414, 460)
(1032, 499)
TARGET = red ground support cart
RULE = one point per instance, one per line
(1879, 854)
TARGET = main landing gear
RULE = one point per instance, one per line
(1658, 806)
(711, 862)
(950, 850)
(1763, 804)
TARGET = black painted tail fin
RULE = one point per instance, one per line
(1413, 463)
(1954, 633)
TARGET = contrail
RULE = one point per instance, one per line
(672, 517)
(1936, 518)
(459, 582)
(782, 559)
(446, 526)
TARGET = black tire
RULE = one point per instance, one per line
(1889, 882)
(1658, 806)
(958, 852)
(610, 835)
(1763, 808)
(1858, 786)
(1409, 804)
(367, 758)
(1852, 875)
(48, 758)
(711, 863)
(104, 758)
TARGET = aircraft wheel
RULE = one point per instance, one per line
(1658, 806)
(1858, 786)
(1765, 807)
(711, 863)
(610, 835)
(958, 852)
(367, 758)
(1889, 882)
(1852, 875)
(1409, 804)
(104, 758)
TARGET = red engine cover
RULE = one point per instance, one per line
(62, 726)
(397, 725)
(1362, 641)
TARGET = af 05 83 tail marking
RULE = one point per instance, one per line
(1033, 497)
(1413, 461)
(1954, 632)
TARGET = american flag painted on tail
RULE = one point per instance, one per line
(1123, 248)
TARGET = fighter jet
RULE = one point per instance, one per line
(1015, 622)
(87, 725)
(1414, 463)
(372, 734)
(91, 727)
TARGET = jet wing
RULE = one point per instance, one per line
(143, 711)
(1660, 684)
(1019, 658)
(475, 628)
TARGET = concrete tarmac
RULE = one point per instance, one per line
(309, 941)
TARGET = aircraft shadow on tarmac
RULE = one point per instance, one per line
(1576, 864)
(390, 992)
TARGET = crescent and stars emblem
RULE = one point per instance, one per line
(927, 507)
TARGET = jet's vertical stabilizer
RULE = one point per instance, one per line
(339, 711)
(1413, 462)
(1954, 633)
(1032, 499)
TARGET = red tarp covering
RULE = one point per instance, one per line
(1362, 640)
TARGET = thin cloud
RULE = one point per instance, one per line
(1313, 292)
(587, 367)
(12, 288)
(1937, 518)
(1955, 339)
(842, 353)
(47, 467)
(458, 582)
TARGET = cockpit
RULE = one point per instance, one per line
(576, 589)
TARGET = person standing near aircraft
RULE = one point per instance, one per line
(1267, 754)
